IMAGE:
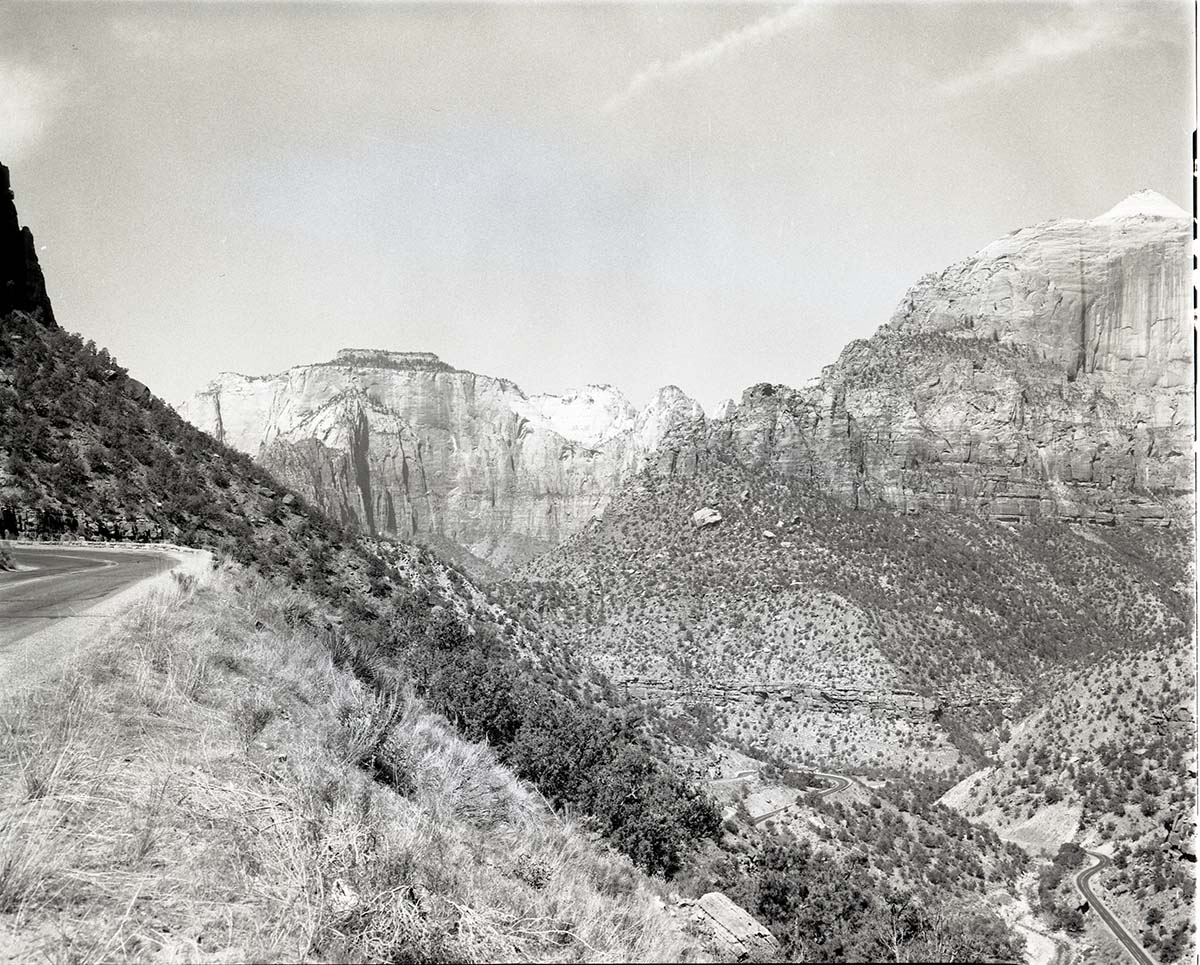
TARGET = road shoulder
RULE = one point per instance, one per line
(39, 655)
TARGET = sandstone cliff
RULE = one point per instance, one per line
(1048, 375)
(403, 444)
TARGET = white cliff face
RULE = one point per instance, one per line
(400, 443)
(1049, 375)
(1109, 296)
(589, 416)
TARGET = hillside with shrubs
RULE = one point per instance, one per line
(1106, 764)
(342, 748)
(963, 618)
(396, 620)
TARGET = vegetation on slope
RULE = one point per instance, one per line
(480, 675)
(830, 907)
(1113, 749)
(792, 587)
(272, 807)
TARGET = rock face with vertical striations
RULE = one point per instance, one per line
(401, 443)
(1048, 375)
(22, 286)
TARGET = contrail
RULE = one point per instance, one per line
(759, 31)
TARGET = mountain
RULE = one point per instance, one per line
(403, 444)
(1048, 375)
(1045, 377)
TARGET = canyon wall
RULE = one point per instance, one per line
(1046, 376)
(1049, 375)
(400, 443)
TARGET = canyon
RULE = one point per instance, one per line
(1046, 376)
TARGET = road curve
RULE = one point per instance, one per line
(1083, 881)
(58, 583)
(839, 784)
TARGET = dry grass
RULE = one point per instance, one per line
(206, 785)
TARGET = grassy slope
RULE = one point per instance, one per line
(207, 783)
(89, 452)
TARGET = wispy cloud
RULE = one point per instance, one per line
(729, 45)
(29, 100)
(1080, 30)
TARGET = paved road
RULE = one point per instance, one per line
(839, 784)
(62, 583)
(1084, 882)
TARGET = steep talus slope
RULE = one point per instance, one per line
(1046, 376)
(402, 444)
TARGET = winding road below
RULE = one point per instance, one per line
(839, 784)
(1083, 881)
(64, 596)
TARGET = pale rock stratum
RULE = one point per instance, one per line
(400, 443)
(1049, 375)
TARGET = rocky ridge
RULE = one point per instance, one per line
(1046, 376)
(22, 285)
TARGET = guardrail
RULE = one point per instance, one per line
(102, 544)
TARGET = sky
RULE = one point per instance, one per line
(709, 196)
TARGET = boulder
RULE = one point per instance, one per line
(734, 927)
(136, 390)
(705, 517)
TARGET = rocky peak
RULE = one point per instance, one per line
(22, 285)
(1144, 204)
(1109, 296)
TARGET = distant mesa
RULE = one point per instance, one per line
(22, 285)
(384, 359)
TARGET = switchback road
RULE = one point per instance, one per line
(839, 784)
(1128, 941)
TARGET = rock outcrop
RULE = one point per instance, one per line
(22, 285)
(883, 703)
(1049, 375)
(1046, 376)
(736, 931)
(400, 443)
